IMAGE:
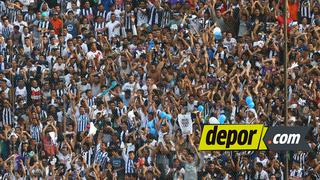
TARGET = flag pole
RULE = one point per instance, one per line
(286, 80)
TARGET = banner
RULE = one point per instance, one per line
(253, 137)
(185, 123)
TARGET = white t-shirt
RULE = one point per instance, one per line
(23, 36)
(33, 68)
(6, 92)
(97, 54)
(145, 88)
(143, 118)
(192, 105)
(95, 112)
(84, 47)
(263, 175)
(264, 161)
(21, 24)
(112, 29)
(22, 92)
(68, 36)
(65, 159)
(25, 3)
(59, 67)
(116, 12)
(130, 86)
(230, 43)
(142, 18)
(27, 50)
(84, 88)
(67, 50)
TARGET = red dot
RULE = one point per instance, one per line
(269, 142)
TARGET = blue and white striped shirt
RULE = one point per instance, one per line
(6, 31)
(35, 131)
(101, 157)
(129, 167)
(2, 8)
(82, 121)
(91, 101)
(29, 18)
(129, 163)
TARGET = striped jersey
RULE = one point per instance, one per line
(6, 31)
(305, 9)
(87, 13)
(100, 27)
(127, 21)
(2, 8)
(6, 116)
(154, 16)
(82, 121)
(103, 14)
(44, 24)
(88, 156)
(12, 14)
(101, 157)
(272, 53)
(91, 101)
(61, 92)
(246, 175)
(73, 89)
(43, 115)
(35, 131)
(121, 112)
(301, 158)
(129, 163)
(166, 16)
(297, 173)
(29, 18)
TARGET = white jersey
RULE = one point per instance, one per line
(142, 18)
(22, 92)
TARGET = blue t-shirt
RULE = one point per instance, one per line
(152, 127)
(106, 4)
(151, 45)
(124, 100)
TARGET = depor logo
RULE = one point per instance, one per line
(233, 137)
(287, 138)
(253, 137)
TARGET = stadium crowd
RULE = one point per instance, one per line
(84, 86)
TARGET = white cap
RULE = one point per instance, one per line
(293, 106)
(213, 120)
(174, 27)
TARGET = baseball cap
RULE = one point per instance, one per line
(70, 11)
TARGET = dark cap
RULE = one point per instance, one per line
(70, 11)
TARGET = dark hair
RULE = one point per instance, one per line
(259, 164)
(130, 152)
